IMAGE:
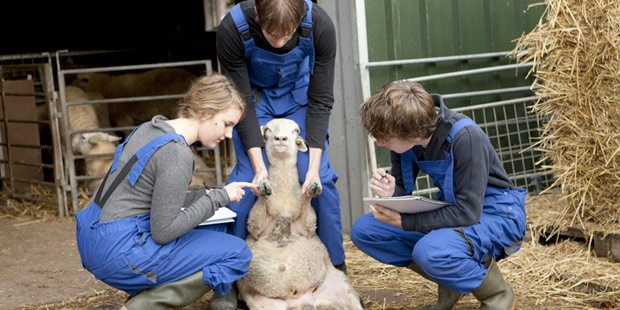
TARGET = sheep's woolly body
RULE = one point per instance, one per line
(155, 82)
(81, 116)
(290, 268)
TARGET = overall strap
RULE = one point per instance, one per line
(458, 126)
(306, 32)
(119, 150)
(119, 178)
(242, 24)
(134, 166)
(406, 167)
(145, 153)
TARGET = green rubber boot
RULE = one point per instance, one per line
(494, 292)
(224, 302)
(174, 294)
(446, 298)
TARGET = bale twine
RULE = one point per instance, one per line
(575, 50)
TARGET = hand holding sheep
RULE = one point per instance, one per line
(312, 186)
(261, 182)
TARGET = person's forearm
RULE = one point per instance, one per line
(314, 163)
(255, 155)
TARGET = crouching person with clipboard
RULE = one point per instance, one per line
(140, 234)
(456, 245)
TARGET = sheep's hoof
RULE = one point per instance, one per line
(315, 189)
(265, 188)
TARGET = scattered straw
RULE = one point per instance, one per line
(562, 275)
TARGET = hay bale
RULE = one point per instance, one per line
(575, 49)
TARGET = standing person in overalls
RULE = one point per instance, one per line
(281, 56)
(140, 233)
(456, 246)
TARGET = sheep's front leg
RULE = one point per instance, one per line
(305, 225)
(260, 223)
(315, 189)
(265, 188)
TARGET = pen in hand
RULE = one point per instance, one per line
(207, 187)
(382, 183)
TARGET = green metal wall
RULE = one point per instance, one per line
(414, 29)
(411, 29)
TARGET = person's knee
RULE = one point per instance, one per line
(428, 253)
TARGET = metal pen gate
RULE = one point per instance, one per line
(31, 153)
(71, 158)
(510, 125)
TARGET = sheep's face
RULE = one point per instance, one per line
(83, 143)
(282, 140)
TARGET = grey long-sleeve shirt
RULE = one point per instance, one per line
(161, 190)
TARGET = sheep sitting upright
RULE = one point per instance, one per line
(290, 268)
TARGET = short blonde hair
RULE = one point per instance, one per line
(209, 95)
(279, 17)
(401, 110)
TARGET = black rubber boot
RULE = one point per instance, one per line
(174, 294)
(342, 267)
(446, 298)
(494, 292)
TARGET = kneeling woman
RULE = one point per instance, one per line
(140, 231)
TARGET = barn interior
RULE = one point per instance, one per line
(41, 40)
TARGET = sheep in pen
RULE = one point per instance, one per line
(158, 83)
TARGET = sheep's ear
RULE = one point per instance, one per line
(263, 132)
(301, 144)
(112, 138)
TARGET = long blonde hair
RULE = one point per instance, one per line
(209, 95)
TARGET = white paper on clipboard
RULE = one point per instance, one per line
(406, 204)
(222, 215)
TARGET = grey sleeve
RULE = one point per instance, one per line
(173, 170)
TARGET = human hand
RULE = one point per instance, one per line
(385, 215)
(235, 190)
(263, 187)
(312, 187)
(382, 183)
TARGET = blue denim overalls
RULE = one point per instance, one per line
(452, 257)
(283, 81)
(123, 254)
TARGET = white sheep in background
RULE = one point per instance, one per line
(81, 117)
(155, 82)
(84, 117)
(98, 143)
(290, 268)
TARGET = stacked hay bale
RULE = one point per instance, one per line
(575, 49)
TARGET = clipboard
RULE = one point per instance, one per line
(406, 204)
(222, 215)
